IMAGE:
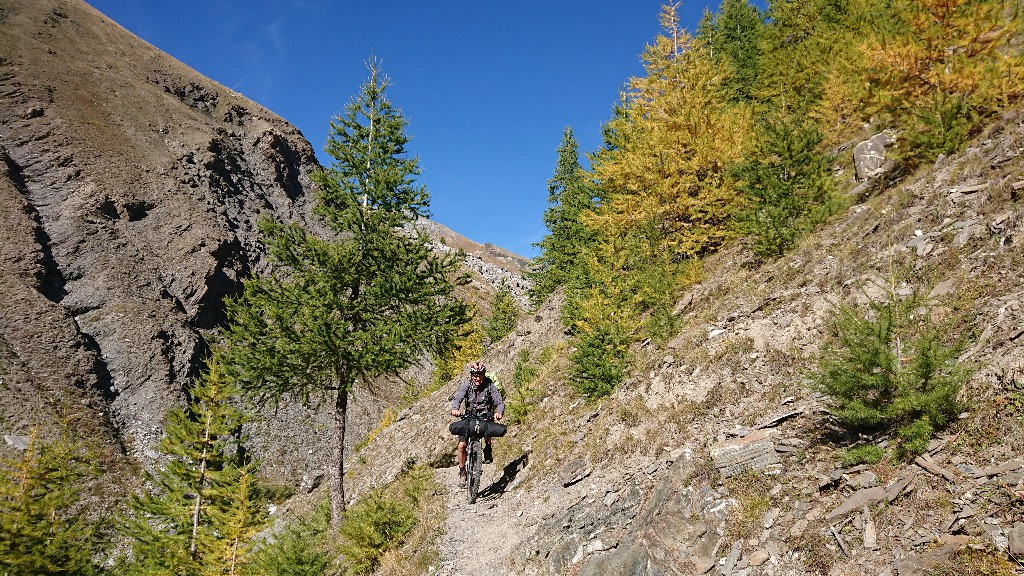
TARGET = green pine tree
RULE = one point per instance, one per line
(44, 526)
(199, 514)
(236, 524)
(504, 313)
(892, 366)
(301, 548)
(570, 195)
(788, 184)
(734, 35)
(365, 304)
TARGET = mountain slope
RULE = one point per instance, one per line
(143, 183)
(642, 482)
(131, 188)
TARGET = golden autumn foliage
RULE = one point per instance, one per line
(933, 67)
(693, 158)
(954, 48)
(670, 149)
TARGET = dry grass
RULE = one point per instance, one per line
(750, 490)
(419, 553)
(974, 562)
(814, 549)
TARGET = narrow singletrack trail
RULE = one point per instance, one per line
(479, 537)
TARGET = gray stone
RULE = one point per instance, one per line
(859, 499)
(573, 471)
(758, 557)
(586, 419)
(751, 452)
(870, 532)
(798, 529)
(1015, 540)
(921, 564)
(997, 470)
(703, 565)
(17, 442)
(944, 288)
(630, 559)
(894, 489)
(732, 558)
(869, 155)
(310, 482)
(866, 479)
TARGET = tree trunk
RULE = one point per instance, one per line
(193, 547)
(337, 472)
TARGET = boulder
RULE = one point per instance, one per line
(869, 155)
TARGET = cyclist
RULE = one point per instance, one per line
(481, 396)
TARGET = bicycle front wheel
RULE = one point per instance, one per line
(475, 464)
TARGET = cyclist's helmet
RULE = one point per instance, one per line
(477, 368)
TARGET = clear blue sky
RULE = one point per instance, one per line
(487, 87)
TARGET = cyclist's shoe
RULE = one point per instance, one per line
(487, 454)
(462, 477)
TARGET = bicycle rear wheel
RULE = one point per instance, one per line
(474, 466)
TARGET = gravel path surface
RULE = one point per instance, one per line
(479, 537)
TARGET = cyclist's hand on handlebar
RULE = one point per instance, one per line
(456, 413)
(497, 417)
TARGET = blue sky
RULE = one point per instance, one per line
(487, 87)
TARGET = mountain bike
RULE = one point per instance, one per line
(476, 427)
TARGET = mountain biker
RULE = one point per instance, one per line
(482, 397)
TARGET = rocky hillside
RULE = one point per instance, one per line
(717, 457)
(130, 190)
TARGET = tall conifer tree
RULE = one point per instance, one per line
(669, 149)
(360, 306)
(570, 195)
(504, 313)
(734, 35)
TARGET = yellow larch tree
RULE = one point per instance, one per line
(669, 150)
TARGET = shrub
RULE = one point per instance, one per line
(941, 128)
(300, 549)
(371, 527)
(44, 525)
(601, 358)
(380, 524)
(889, 367)
(864, 454)
(524, 392)
(469, 347)
(504, 313)
(788, 185)
(914, 437)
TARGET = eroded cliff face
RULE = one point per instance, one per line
(130, 192)
(131, 187)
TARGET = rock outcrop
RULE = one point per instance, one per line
(130, 192)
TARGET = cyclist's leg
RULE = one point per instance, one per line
(488, 457)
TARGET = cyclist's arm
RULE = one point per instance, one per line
(458, 398)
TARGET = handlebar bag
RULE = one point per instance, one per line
(496, 430)
(491, 429)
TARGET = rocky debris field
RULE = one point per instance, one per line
(717, 458)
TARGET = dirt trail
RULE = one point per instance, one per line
(479, 537)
